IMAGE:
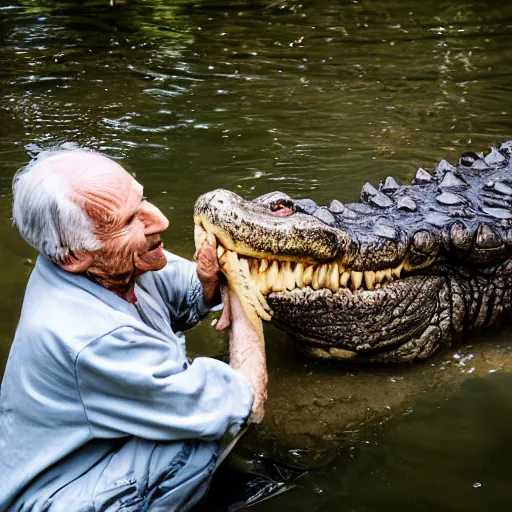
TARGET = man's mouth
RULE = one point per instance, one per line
(155, 245)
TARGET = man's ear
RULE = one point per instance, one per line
(76, 262)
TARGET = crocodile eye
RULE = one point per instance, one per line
(282, 207)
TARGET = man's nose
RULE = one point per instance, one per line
(156, 221)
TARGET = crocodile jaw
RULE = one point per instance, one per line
(255, 280)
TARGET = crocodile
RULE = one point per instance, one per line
(392, 278)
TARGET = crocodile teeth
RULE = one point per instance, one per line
(322, 274)
(357, 279)
(380, 275)
(319, 277)
(260, 280)
(333, 277)
(285, 278)
(314, 283)
(280, 276)
(344, 279)
(264, 284)
(253, 269)
(263, 265)
(239, 280)
(278, 283)
(308, 275)
(277, 276)
(298, 274)
(272, 274)
(396, 271)
(289, 277)
(369, 279)
(222, 259)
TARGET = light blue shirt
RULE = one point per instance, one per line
(85, 365)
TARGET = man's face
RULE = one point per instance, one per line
(127, 225)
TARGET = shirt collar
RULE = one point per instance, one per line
(55, 274)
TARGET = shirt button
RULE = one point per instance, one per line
(185, 365)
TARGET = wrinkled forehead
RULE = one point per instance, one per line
(97, 183)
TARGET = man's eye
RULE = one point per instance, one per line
(131, 219)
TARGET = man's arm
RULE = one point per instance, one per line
(133, 383)
(247, 355)
(246, 344)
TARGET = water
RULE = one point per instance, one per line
(448, 454)
(313, 99)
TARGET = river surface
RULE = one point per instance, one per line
(313, 99)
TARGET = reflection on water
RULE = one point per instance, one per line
(311, 98)
(445, 454)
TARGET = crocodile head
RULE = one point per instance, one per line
(390, 278)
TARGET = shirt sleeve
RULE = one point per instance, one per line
(178, 286)
(136, 385)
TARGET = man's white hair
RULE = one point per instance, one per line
(44, 213)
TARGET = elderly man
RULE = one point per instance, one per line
(99, 407)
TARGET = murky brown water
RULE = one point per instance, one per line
(314, 99)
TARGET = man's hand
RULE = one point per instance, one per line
(208, 271)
